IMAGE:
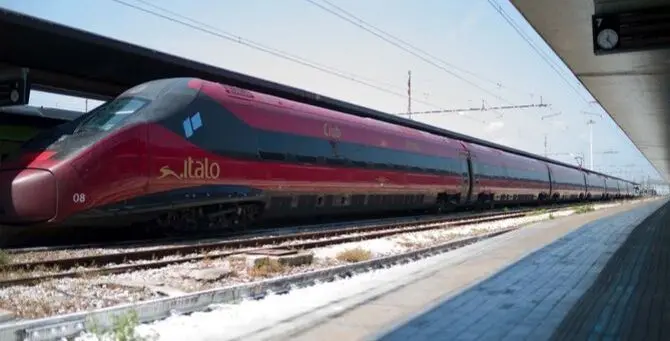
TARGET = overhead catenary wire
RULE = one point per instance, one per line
(395, 42)
(273, 51)
(257, 46)
(496, 6)
(379, 31)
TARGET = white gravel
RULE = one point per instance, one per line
(412, 240)
(32, 256)
(77, 294)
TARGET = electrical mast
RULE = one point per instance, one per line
(409, 94)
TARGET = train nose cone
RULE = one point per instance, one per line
(27, 196)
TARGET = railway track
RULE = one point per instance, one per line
(151, 258)
(200, 238)
(205, 237)
(194, 238)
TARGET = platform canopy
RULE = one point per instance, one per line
(620, 51)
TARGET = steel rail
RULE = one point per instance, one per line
(228, 248)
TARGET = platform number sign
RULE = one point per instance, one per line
(79, 198)
(605, 34)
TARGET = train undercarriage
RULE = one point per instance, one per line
(234, 216)
(210, 217)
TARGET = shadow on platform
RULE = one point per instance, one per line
(613, 289)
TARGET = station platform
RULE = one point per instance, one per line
(599, 275)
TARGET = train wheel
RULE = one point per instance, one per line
(188, 222)
(247, 215)
(180, 221)
(235, 217)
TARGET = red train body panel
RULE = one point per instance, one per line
(221, 153)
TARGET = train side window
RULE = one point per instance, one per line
(438, 163)
(407, 160)
(486, 170)
(504, 171)
(308, 146)
(494, 171)
(420, 161)
(453, 165)
(336, 161)
(441, 163)
(445, 165)
(270, 142)
(440, 166)
(512, 174)
(272, 156)
(392, 157)
(350, 151)
(490, 171)
(368, 154)
(377, 155)
(306, 159)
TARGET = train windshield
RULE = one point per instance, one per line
(111, 114)
(84, 129)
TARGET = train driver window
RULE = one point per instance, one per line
(111, 114)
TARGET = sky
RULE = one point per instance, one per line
(481, 59)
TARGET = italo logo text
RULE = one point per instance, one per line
(196, 169)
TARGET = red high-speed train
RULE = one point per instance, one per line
(187, 152)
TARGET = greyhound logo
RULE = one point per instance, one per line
(166, 171)
(195, 169)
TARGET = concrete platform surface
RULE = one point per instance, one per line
(630, 299)
(517, 286)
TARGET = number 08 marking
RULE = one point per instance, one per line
(79, 198)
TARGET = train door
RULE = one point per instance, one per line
(552, 182)
(588, 185)
(475, 188)
(465, 177)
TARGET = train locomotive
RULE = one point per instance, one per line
(191, 154)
